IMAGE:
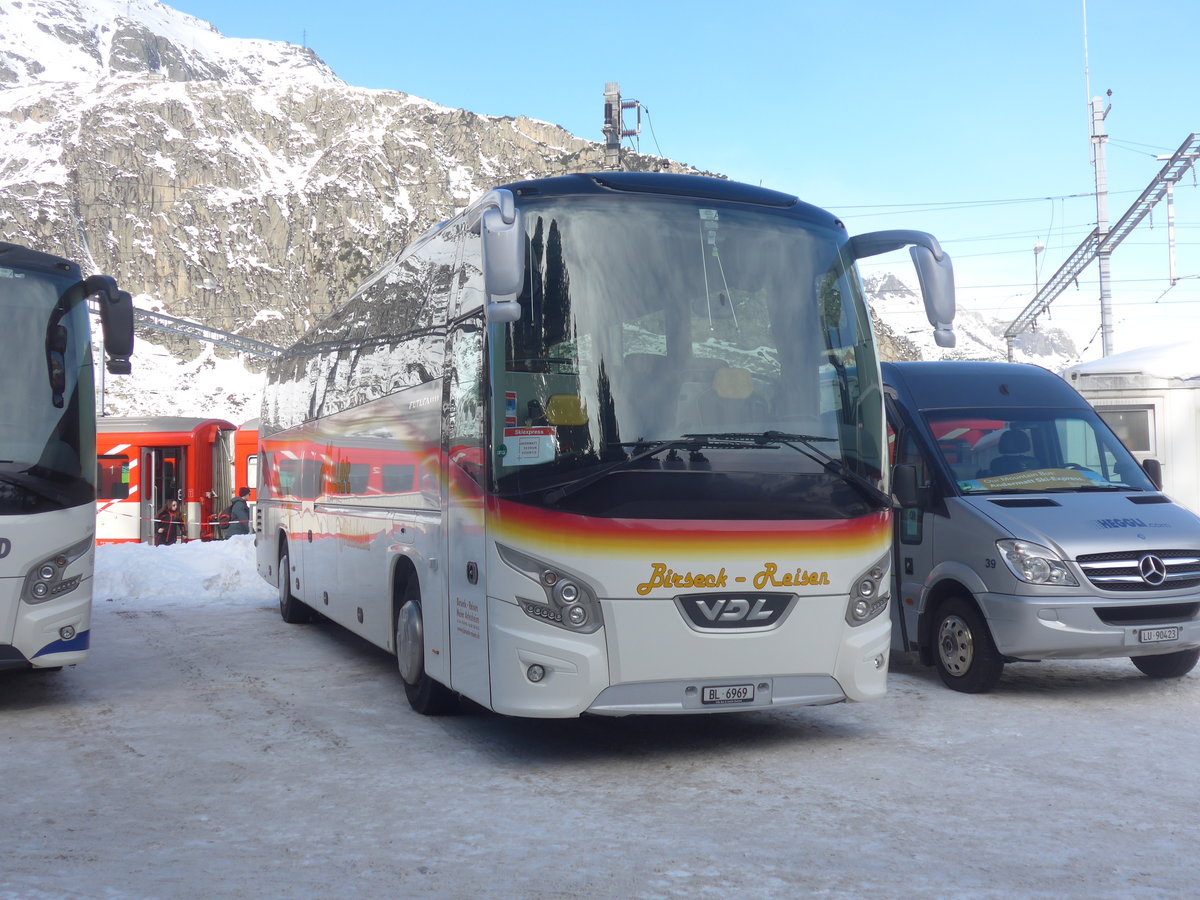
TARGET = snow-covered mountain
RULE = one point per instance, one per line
(241, 183)
(904, 331)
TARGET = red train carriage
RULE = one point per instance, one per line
(143, 462)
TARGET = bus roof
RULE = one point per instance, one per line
(22, 257)
(671, 184)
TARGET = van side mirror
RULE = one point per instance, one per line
(1153, 470)
(904, 487)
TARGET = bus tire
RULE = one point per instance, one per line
(291, 610)
(425, 696)
(963, 650)
(1168, 665)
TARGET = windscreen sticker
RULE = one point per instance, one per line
(529, 446)
(1035, 479)
(510, 409)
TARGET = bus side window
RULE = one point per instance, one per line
(396, 479)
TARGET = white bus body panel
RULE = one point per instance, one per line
(647, 657)
(33, 629)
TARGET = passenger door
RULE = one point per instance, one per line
(914, 541)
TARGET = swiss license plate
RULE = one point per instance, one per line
(727, 693)
(1158, 635)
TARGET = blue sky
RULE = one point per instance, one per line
(963, 119)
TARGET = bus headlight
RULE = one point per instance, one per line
(870, 594)
(47, 578)
(1035, 564)
(566, 600)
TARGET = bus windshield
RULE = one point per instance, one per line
(1033, 450)
(47, 442)
(683, 358)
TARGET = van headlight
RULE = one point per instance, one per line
(1035, 564)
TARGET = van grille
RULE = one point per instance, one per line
(1155, 614)
(1123, 571)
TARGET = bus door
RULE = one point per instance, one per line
(163, 478)
(464, 477)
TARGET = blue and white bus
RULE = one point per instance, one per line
(48, 451)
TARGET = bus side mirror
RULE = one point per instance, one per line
(501, 229)
(116, 320)
(904, 486)
(934, 271)
(1153, 470)
(937, 289)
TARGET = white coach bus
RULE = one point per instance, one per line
(607, 444)
(48, 452)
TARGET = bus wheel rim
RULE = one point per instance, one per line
(410, 643)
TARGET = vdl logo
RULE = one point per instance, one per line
(721, 612)
(5, 547)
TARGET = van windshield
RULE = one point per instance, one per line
(1033, 450)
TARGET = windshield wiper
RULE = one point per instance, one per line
(694, 443)
(806, 444)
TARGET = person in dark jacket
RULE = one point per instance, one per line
(239, 513)
(168, 524)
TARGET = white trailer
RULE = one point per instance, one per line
(1151, 398)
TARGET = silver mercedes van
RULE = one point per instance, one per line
(1028, 532)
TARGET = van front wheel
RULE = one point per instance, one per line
(964, 652)
(1168, 665)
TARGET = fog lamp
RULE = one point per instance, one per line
(577, 616)
(535, 673)
(67, 632)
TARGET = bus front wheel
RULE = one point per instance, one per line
(290, 609)
(964, 652)
(426, 696)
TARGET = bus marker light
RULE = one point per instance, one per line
(535, 673)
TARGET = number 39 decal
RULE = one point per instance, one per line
(989, 564)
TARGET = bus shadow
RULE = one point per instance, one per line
(706, 736)
(22, 689)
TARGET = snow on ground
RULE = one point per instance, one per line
(183, 574)
(207, 749)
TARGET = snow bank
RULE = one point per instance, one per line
(192, 574)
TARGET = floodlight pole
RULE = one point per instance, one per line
(1104, 252)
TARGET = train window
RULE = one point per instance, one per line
(112, 477)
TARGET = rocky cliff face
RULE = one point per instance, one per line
(239, 183)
